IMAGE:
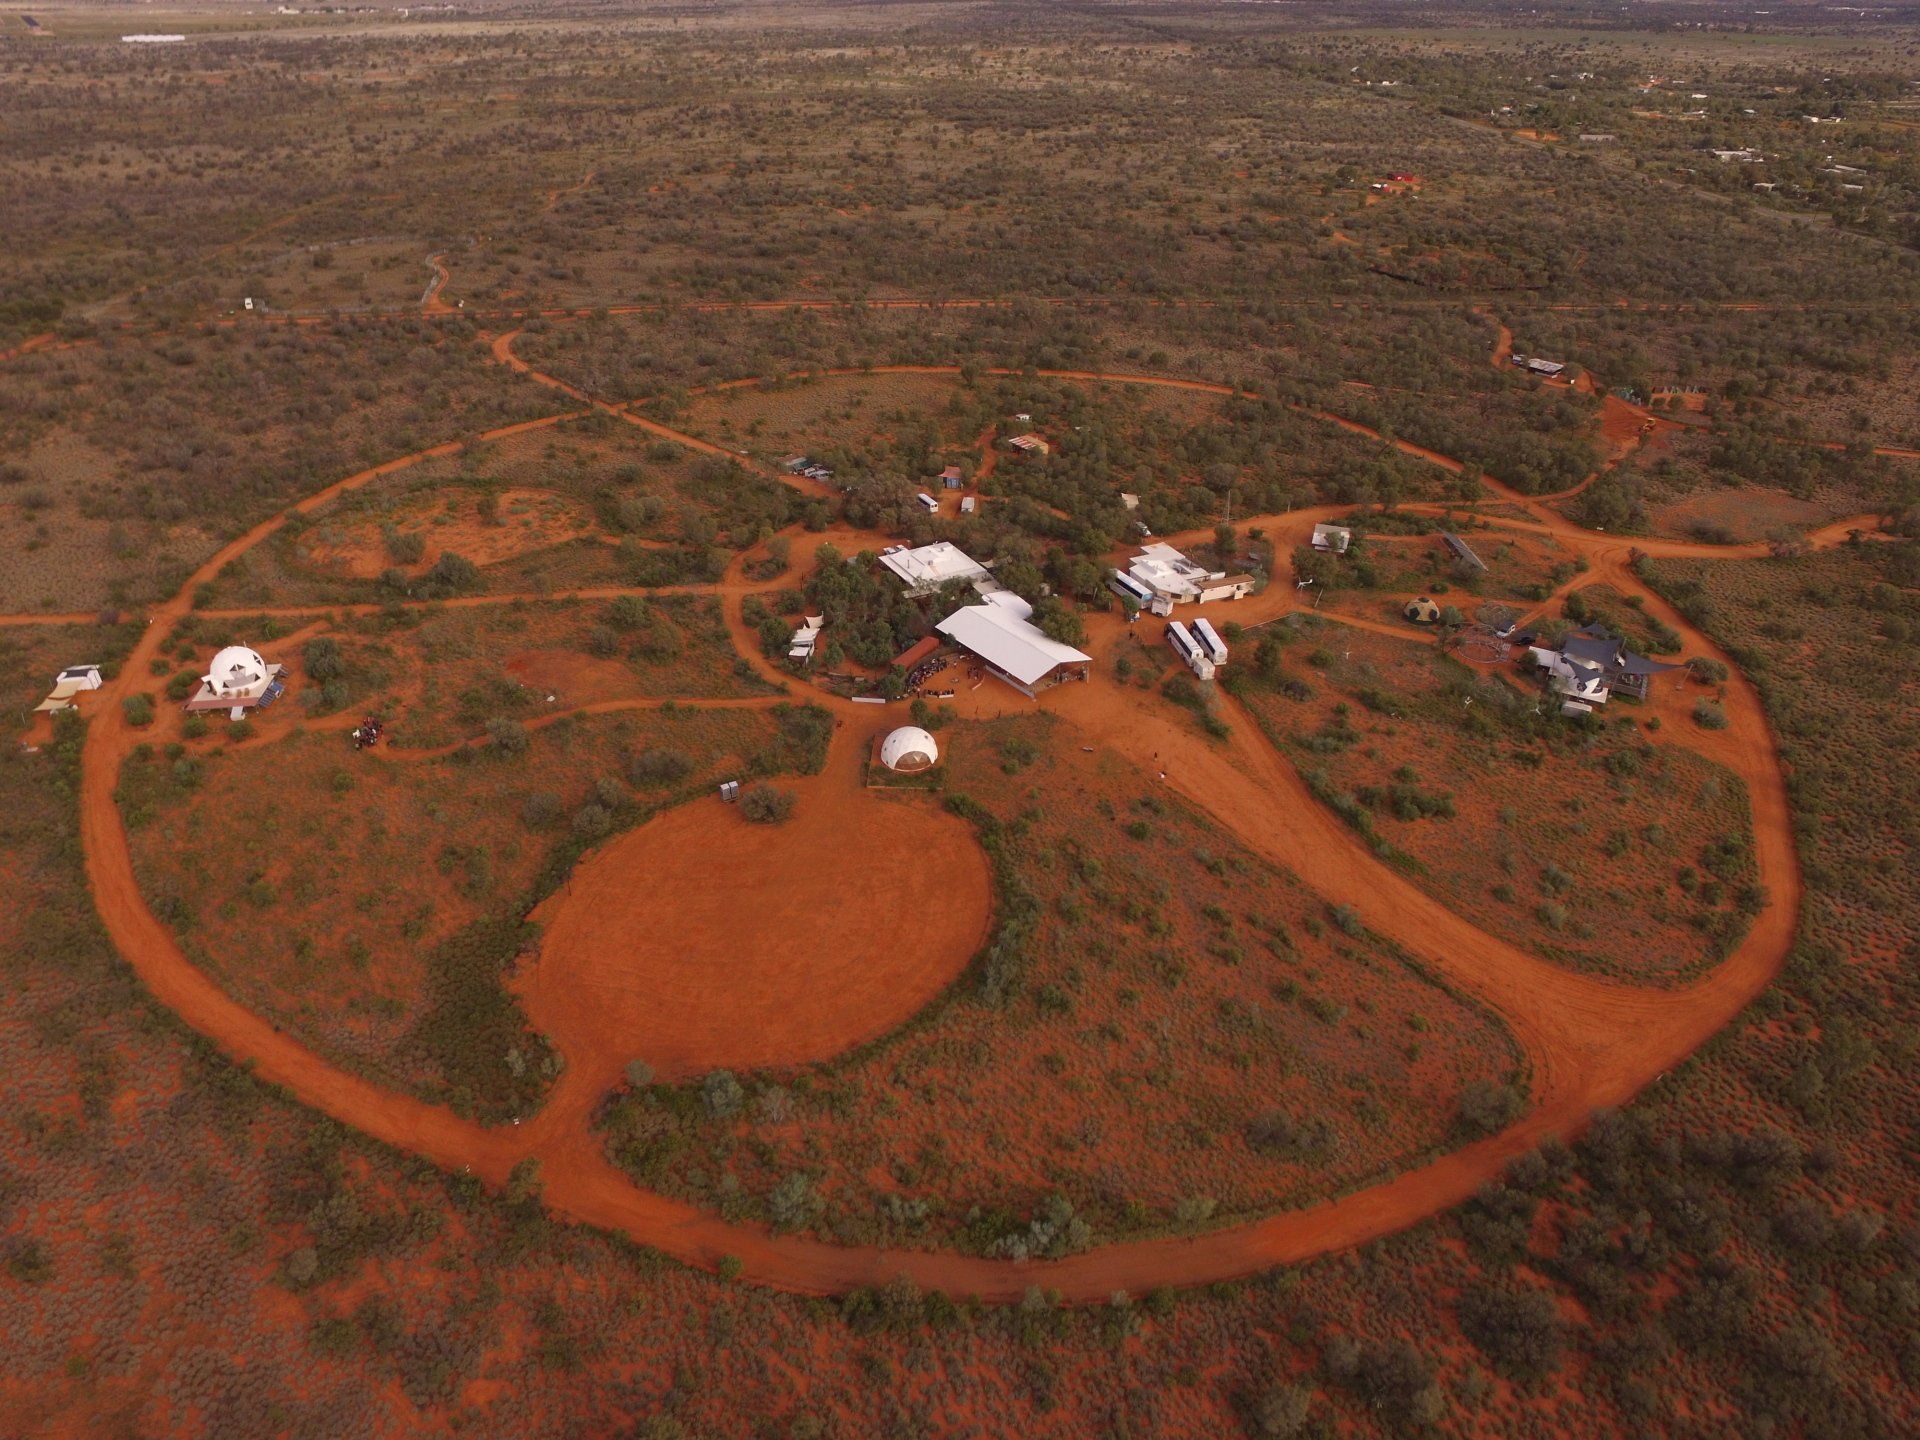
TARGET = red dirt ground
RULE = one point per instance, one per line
(1590, 1044)
(704, 941)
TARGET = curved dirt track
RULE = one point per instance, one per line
(1589, 1043)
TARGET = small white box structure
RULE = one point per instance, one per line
(729, 791)
(804, 640)
(968, 505)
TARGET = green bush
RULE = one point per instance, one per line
(763, 804)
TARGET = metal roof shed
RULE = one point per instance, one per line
(1015, 647)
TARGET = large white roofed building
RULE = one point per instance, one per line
(1170, 575)
(1012, 646)
(926, 569)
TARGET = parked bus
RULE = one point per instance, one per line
(1209, 641)
(1188, 649)
(1128, 588)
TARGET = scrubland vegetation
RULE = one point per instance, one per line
(1162, 1033)
(1264, 1050)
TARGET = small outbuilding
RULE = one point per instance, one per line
(67, 684)
(1423, 611)
(1335, 538)
(909, 750)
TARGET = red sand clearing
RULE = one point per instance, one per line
(703, 941)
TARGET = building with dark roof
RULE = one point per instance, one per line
(1588, 665)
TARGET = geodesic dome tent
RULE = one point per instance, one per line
(237, 670)
(909, 750)
(1423, 611)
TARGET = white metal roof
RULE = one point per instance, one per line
(932, 566)
(1009, 642)
(1164, 570)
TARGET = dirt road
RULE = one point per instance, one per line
(1588, 1043)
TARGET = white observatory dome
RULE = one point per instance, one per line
(236, 669)
(909, 749)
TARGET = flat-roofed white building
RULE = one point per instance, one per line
(1172, 577)
(926, 569)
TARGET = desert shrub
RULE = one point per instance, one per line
(793, 1205)
(451, 574)
(1282, 1136)
(138, 709)
(1486, 1108)
(803, 733)
(1393, 1378)
(508, 735)
(722, 1095)
(1052, 1234)
(1517, 1326)
(27, 1261)
(472, 1031)
(766, 804)
(1709, 716)
(1281, 1412)
(541, 811)
(322, 659)
(659, 766)
(404, 547)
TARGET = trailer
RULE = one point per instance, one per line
(932, 505)
(1188, 649)
(1209, 641)
(1128, 588)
